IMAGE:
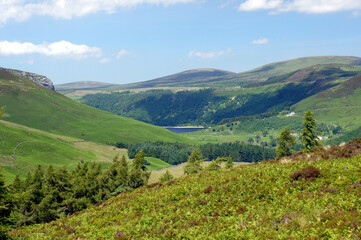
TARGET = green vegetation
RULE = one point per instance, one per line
(309, 132)
(2, 111)
(194, 162)
(166, 177)
(212, 106)
(313, 195)
(21, 150)
(285, 143)
(156, 163)
(35, 106)
(48, 195)
(176, 153)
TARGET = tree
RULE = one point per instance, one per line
(2, 111)
(309, 132)
(5, 209)
(250, 140)
(285, 143)
(194, 162)
(229, 162)
(167, 176)
(138, 173)
(215, 165)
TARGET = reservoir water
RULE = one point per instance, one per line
(183, 130)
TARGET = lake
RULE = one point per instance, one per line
(183, 130)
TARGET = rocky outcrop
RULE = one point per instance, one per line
(36, 78)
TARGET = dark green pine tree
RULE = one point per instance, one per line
(309, 132)
(285, 143)
(5, 209)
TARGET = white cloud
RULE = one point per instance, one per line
(20, 10)
(260, 41)
(122, 53)
(55, 49)
(207, 55)
(104, 60)
(303, 6)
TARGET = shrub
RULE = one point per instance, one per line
(309, 172)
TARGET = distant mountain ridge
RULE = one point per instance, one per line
(84, 85)
(36, 78)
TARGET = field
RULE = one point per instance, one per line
(256, 201)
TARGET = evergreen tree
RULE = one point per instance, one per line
(5, 209)
(215, 165)
(285, 143)
(194, 162)
(138, 173)
(167, 176)
(229, 162)
(309, 132)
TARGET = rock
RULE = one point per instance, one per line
(36, 78)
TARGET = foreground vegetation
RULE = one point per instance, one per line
(270, 200)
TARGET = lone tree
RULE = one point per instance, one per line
(194, 162)
(309, 132)
(285, 143)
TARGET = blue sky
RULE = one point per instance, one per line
(124, 41)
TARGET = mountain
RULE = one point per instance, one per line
(219, 78)
(84, 85)
(211, 106)
(317, 192)
(182, 79)
(35, 106)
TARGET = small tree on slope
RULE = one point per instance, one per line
(309, 132)
(285, 143)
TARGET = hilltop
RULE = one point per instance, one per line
(298, 197)
(32, 105)
(84, 85)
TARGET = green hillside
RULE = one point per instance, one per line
(23, 148)
(310, 196)
(35, 106)
(84, 85)
(339, 105)
(211, 106)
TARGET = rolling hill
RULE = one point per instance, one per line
(211, 106)
(23, 148)
(84, 85)
(218, 78)
(32, 105)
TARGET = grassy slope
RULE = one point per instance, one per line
(256, 201)
(32, 105)
(23, 148)
(338, 105)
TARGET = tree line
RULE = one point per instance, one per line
(46, 195)
(177, 153)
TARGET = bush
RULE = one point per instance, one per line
(309, 172)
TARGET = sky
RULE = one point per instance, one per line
(125, 41)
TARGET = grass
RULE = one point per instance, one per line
(338, 105)
(156, 163)
(34, 106)
(23, 148)
(255, 201)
